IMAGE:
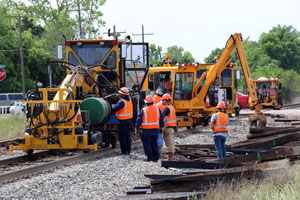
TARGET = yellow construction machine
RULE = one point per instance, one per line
(191, 98)
(269, 92)
(77, 113)
(181, 83)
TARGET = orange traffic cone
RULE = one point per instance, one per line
(207, 104)
(78, 117)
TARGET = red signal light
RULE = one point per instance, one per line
(190, 64)
(185, 64)
(67, 43)
(113, 42)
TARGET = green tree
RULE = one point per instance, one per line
(211, 57)
(282, 43)
(155, 54)
(177, 54)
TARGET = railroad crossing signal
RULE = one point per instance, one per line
(2, 74)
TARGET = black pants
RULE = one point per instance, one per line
(150, 146)
(124, 127)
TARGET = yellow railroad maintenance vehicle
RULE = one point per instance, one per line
(269, 92)
(191, 98)
(77, 113)
(180, 81)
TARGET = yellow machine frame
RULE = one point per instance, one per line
(56, 109)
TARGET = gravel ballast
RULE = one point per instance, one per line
(108, 177)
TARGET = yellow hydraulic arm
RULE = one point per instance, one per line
(214, 71)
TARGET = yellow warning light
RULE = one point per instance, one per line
(100, 38)
(168, 55)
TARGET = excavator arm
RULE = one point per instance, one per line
(214, 71)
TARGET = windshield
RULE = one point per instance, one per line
(90, 54)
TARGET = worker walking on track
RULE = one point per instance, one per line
(170, 124)
(149, 120)
(124, 113)
(219, 122)
(158, 95)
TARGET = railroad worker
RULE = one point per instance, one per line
(160, 138)
(124, 113)
(219, 122)
(167, 84)
(170, 125)
(158, 95)
(149, 120)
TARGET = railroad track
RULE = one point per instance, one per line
(10, 174)
(16, 168)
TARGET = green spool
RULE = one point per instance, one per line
(98, 108)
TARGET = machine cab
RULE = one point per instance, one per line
(116, 63)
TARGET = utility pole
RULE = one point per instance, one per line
(22, 59)
(90, 24)
(115, 34)
(143, 39)
(79, 16)
(21, 51)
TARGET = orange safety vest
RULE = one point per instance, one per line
(151, 117)
(126, 112)
(221, 123)
(157, 99)
(172, 117)
(167, 84)
(160, 106)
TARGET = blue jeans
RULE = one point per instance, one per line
(220, 146)
(124, 135)
(150, 146)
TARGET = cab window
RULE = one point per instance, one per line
(110, 62)
(183, 85)
(226, 77)
(162, 80)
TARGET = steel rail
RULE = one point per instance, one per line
(15, 175)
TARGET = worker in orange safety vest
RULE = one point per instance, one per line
(124, 113)
(170, 125)
(149, 121)
(167, 84)
(158, 95)
(219, 122)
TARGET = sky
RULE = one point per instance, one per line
(196, 25)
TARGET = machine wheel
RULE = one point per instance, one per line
(105, 141)
(29, 152)
(188, 127)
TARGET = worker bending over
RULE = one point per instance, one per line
(149, 120)
(170, 124)
(219, 122)
(124, 113)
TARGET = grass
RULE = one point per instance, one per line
(281, 186)
(11, 126)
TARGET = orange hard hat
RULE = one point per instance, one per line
(148, 99)
(124, 90)
(166, 97)
(221, 104)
